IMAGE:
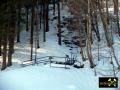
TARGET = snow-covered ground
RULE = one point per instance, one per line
(44, 77)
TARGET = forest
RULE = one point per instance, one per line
(80, 35)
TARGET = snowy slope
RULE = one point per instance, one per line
(42, 77)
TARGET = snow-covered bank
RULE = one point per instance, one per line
(45, 78)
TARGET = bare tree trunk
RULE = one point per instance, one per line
(115, 6)
(27, 20)
(18, 23)
(82, 54)
(116, 12)
(95, 19)
(46, 16)
(4, 49)
(59, 22)
(105, 24)
(53, 7)
(40, 15)
(44, 21)
(32, 28)
(107, 12)
(11, 37)
(37, 29)
(114, 74)
(1, 43)
(88, 41)
(116, 60)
